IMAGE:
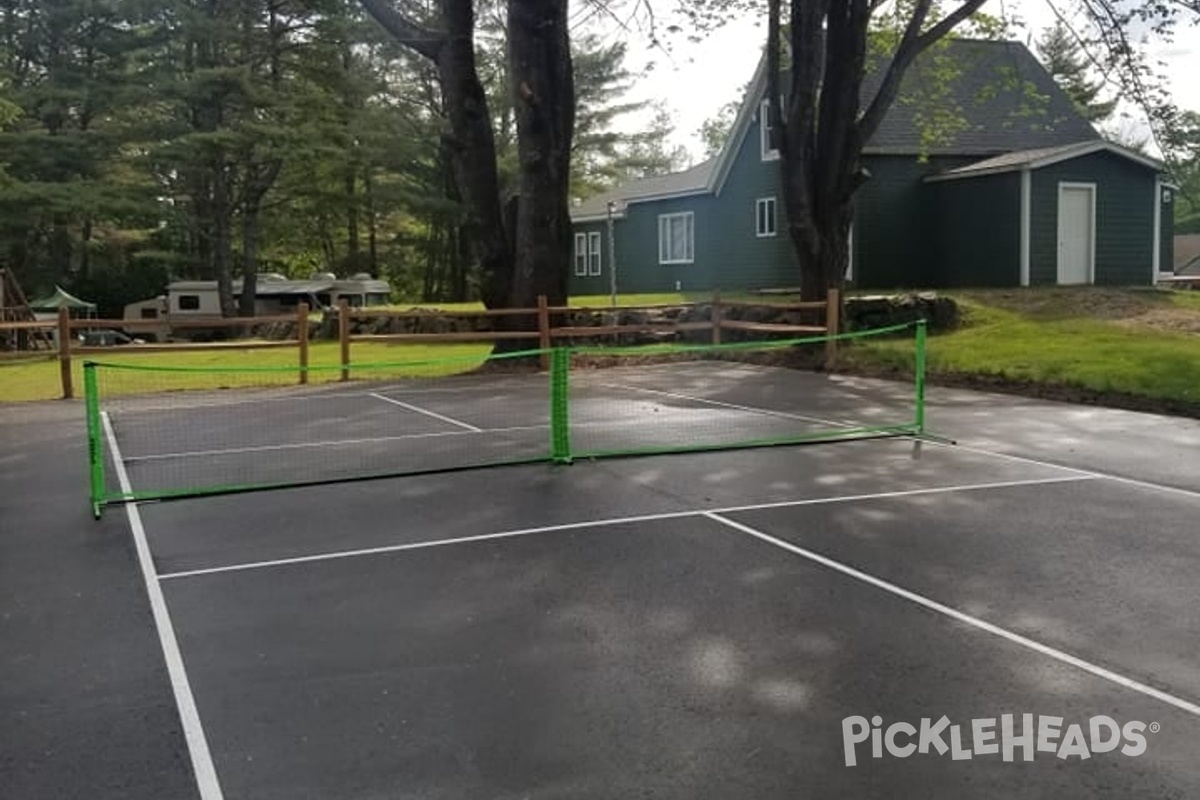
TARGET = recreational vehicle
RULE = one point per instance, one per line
(197, 301)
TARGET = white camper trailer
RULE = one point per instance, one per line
(197, 301)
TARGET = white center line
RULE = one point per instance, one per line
(193, 731)
(596, 523)
(425, 411)
(722, 404)
(953, 613)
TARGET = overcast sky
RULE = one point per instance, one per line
(695, 80)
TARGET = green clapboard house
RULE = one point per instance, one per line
(982, 174)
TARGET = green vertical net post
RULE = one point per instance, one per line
(95, 440)
(919, 369)
(560, 413)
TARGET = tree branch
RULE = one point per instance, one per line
(406, 30)
(912, 44)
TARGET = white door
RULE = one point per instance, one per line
(1076, 232)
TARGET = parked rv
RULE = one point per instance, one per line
(197, 301)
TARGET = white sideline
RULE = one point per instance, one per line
(202, 763)
(975, 622)
(425, 411)
(596, 523)
(1161, 487)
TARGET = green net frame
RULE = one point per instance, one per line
(561, 404)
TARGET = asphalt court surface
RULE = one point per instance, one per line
(685, 627)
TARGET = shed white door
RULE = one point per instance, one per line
(1076, 232)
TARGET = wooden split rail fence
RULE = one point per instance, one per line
(65, 328)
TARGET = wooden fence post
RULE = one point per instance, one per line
(64, 352)
(302, 339)
(543, 312)
(344, 336)
(833, 312)
(716, 316)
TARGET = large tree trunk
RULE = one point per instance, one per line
(472, 145)
(250, 236)
(821, 132)
(222, 245)
(539, 55)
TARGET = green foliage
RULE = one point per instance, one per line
(716, 129)
(1065, 60)
(1053, 340)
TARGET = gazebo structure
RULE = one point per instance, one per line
(61, 298)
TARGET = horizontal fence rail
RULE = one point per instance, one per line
(545, 323)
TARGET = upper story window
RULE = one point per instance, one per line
(769, 153)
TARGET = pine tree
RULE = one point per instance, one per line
(1064, 59)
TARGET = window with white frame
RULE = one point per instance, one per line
(581, 254)
(593, 253)
(676, 238)
(769, 153)
(764, 217)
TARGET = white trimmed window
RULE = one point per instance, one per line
(676, 238)
(764, 217)
(593, 253)
(581, 254)
(769, 153)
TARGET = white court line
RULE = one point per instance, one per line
(723, 404)
(1161, 487)
(424, 411)
(933, 605)
(1091, 473)
(193, 731)
(327, 443)
(596, 523)
(470, 389)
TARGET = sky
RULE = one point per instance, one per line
(695, 79)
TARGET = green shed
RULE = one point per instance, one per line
(1084, 213)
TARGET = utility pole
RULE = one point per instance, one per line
(612, 255)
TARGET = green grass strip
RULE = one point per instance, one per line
(287, 368)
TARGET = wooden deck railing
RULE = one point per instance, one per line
(544, 315)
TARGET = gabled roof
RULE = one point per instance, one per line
(1043, 157)
(1000, 98)
(1003, 98)
(693, 180)
(60, 299)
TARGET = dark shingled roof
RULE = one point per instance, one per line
(962, 97)
(693, 179)
(996, 96)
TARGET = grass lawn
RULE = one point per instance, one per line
(39, 379)
(1111, 345)
(1088, 343)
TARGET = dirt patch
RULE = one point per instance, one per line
(1171, 319)
(1060, 302)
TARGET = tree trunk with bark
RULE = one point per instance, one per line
(539, 59)
(820, 127)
